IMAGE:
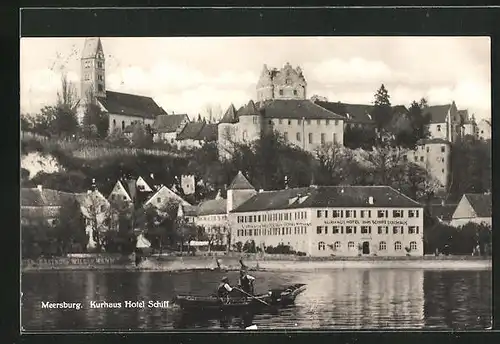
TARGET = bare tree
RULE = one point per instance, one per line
(385, 163)
(213, 112)
(67, 96)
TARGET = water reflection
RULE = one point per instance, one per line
(338, 299)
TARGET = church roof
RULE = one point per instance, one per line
(91, 47)
(240, 183)
(169, 123)
(130, 105)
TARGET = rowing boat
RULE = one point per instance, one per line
(274, 298)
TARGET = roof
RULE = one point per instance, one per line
(240, 183)
(191, 131)
(328, 196)
(130, 105)
(433, 141)
(444, 212)
(33, 197)
(169, 123)
(190, 210)
(249, 109)
(358, 113)
(295, 109)
(437, 113)
(481, 203)
(209, 132)
(212, 207)
(91, 47)
(230, 115)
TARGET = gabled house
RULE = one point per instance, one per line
(445, 122)
(166, 127)
(195, 134)
(120, 192)
(476, 208)
(162, 197)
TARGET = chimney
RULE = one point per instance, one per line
(39, 187)
(370, 200)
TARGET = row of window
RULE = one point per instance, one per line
(298, 137)
(298, 215)
(272, 231)
(88, 64)
(299, 121)
(382, 246)
(213, 217)
(422, 158)
(367, 230)
(398, 213)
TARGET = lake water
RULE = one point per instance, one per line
(334, 299)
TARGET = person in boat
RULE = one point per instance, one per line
(246, 282)
(224, 289)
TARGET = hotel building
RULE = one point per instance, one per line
(327, 220)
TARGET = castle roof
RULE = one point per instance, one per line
(130, 105)
(230, 115)
(295, 109)
(248, 110)
(356, 113)
(240, 183)
(169, 123)
(328, 196)
(91, 47)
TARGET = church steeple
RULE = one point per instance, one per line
(93, 78)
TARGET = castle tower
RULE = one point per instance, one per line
(251, 123)
(93, 77)
(286, 83)
(239, 192)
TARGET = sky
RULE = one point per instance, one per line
(187, 75)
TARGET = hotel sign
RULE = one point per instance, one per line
(367, 222)
(280, 224)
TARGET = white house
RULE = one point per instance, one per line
(475, 208)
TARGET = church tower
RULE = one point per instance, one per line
(93, 69)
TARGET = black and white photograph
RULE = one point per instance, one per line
(255, 183)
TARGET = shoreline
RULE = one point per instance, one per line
(186, 264)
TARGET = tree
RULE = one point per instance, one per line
(212, 112)
(70, 228)
(359, 137)
(68, 181)
(140, 136)
(382, 111)
(423, 103)
(37, 239)
(117, 137)
(331, 164)
(95, 121)
(26, 122)
(385, 164)
(65, 122)
(185, 232)
(416, 182)
(67, 95)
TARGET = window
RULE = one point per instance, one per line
(254, 120)
(397, 213)
(99, 64)
(322, 139)
(113, 196)
(99, 77)
(413, 246)
(280, 121)
(308, 121)
(382, 229)
(397, 245)
(350, 213)
(281, 92)
(289, 122)
(294, 92)
(421, 158)
(318, 213)
(438, 127)
(298, 137)
(412, 213)
(350, 229)
(327, 121)
(366, 229)
(124, 197)
(319, 230)
(310, 138)
(350, 244)
(442, 159)
(412, 229)
(245, 135)
(336, 122)
(335, 229)
(443, 149)
(102, 208)
(397, 229)
(318, 122)
(285, 135)
(427, 149)
(442, 170)
(270, 121)
(336, 213)
(337, 245)
(100, 88)
(405, 158)
(368, 213)
(416, 158)
(382, 213)
(382, 246)
(321, 246)
(334, 137)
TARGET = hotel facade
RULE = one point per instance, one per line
(329, 221)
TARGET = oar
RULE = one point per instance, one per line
(253, 297)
